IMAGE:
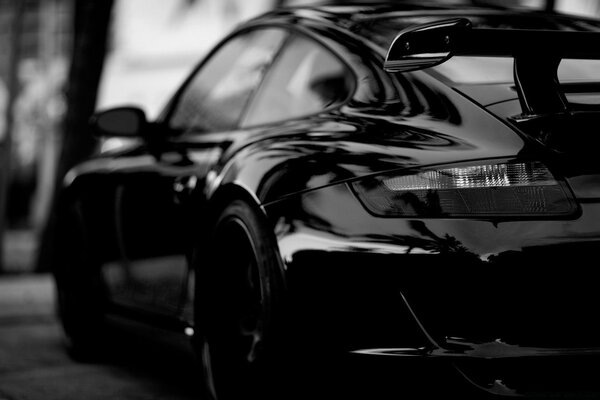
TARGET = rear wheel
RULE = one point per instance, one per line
(80, 294)
(238, 312)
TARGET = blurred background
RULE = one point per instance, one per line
(64, 58)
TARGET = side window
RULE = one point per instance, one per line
(305, 79)
(216, 96)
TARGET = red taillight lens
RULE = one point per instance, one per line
(519, 189)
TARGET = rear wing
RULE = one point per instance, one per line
(536, 53)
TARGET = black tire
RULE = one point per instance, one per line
(239, 307)
(80, 291)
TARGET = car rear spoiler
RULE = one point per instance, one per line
(536, 53)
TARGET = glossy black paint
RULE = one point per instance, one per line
(482, 298)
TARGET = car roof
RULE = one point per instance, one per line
(364, 11)
(364, 18)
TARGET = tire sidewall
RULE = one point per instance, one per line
(80, 291)
(263, 244)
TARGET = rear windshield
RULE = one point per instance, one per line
(478, 70)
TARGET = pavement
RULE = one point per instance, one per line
(34, 364)
(26, 297)
(20, 249)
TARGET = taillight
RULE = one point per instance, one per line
(510, 189)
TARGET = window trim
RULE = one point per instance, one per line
(169, 108)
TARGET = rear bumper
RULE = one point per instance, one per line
(564, 376)
(545, 297)
(508, 307)
(388, 320)
(507, 370)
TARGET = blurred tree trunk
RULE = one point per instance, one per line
(550, 5)
(12, 88)
(91, 22)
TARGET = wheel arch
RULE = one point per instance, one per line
(227, 193)
(221, 198)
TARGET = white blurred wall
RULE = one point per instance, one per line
(586, 8)
(156, 43)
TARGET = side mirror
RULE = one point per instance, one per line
(119, 122)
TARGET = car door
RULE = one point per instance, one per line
(157, 201)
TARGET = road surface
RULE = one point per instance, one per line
(34, 364)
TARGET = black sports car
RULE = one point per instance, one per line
(410, 190)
